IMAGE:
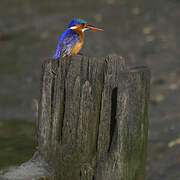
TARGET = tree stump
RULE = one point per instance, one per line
(93, 119)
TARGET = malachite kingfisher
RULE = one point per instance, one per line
(71, 41)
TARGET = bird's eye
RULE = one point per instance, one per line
(83, 24)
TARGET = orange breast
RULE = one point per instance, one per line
(79, 45)
(76, 48)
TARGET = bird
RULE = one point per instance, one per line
(71, 41)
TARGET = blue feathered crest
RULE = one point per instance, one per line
(76, 21)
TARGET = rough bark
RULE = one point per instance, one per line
(126, 158)
(93, 119)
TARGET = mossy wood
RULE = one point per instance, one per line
(93, 119)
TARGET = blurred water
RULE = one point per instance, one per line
(17, 140)
(144, 32)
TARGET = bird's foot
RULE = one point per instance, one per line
(80, 54)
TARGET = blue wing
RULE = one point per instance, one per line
(66, 43)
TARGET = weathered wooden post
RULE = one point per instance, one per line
(92, 120)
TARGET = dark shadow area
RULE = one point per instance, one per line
(113, 115)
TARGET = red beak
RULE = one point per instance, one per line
(94, 28)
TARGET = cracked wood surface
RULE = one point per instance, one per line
(93, 118)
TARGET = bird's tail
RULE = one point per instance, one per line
(58, 53)
(55, 56)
